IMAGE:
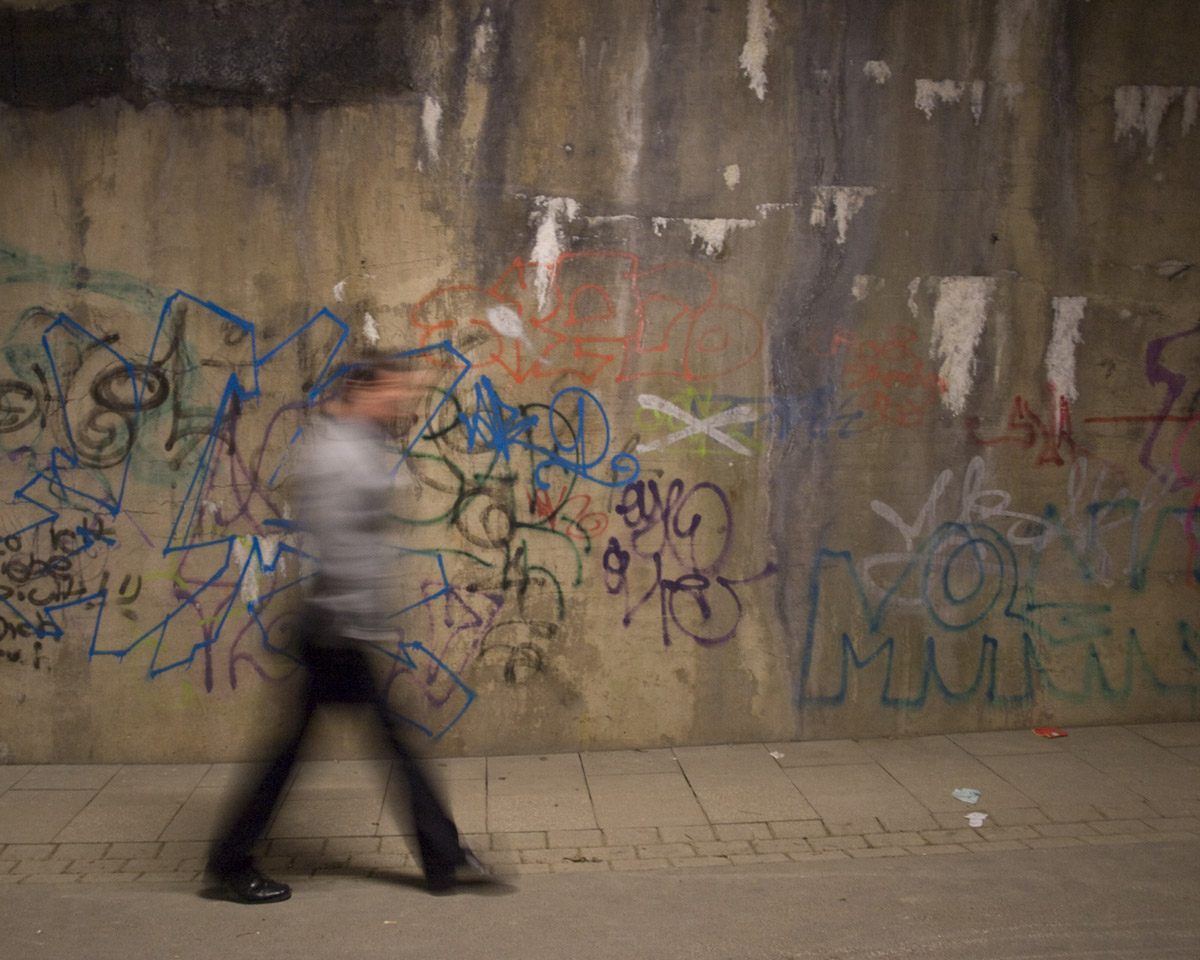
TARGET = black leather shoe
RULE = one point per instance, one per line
(249, 886)
(469, 869)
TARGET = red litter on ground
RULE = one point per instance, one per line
(1050, 732)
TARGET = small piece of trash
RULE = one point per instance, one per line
(966, 795)
(1049, 732)
(976, 819)
(776, 754)
(390, 923)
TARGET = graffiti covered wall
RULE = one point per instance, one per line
(804, 369)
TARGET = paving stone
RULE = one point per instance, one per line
(97, 866)
(640, 864)
(785, 845)
(499, 857)
(151, 866)
(1018, 817)
(820, 844)
(842, 828)
(518, 841)
(648, 851)
(405, 845)
(1064, 830)
(574, 838)
(108, 877)
(188, 877)
(996, 834)
(784, 829)
(79, 851)
(608, 853)
(1179, 836)
(548, 855)
(1114, 839)
(965, 835)
(721, 848)
(1070, 812)
(699, 861)
(950, 821)
(995, 846)
(478, 841)
(521, 869)
(30, 867)
(52, 878)
(1176, 808)
(936, 849)
(907, 839)
(348, 846)
(748, 859)
(741, 831)
(686, 834)
(632, 835)
(1120, 826)
(878, 852)
(586, 866)
(378, 861)
(1172, 824)
(296, 846)
(28, 851)
(135, 849)
(1048, 843)
(800, 857)
(184, 849)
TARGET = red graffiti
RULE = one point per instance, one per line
(561, 515)
(889, 381)
(589, 315)
(1026, 429)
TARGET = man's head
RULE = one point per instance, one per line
(383, 391)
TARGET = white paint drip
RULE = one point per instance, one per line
(712, 233)
(765, 208)
(431, 120)
(977, 90)
(370, 329)
(846, 202)
(1060, 354)
(268, 548)
(551, 217)
(913, 288)
(929, 92)
(485, 35)
(507, 322)
(958, 321)
(1141, 109)
(339, 290)
(864, 285)
(753, 59)
(878, 70)
(1011, 91)
(733, 175)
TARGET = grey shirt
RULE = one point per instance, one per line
(345, 487)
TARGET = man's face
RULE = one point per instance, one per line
(396, 396)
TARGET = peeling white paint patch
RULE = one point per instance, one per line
(507, 322)
(733, 175)
(485, 35)
(659, 224)
(431, 121)
(878, 70)
(1060, 354)
(959, 317)
(552, 214)
(977, 91)
(864, 285)
(1011, 91)
(370, 329)
(929, 92)
(846, 203)
(712, 233)
(913, 288)
(765, 208)
(339, 290)
(753, 59)
(1141, 109)
(268, 548)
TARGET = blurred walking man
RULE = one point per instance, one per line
(345, 488)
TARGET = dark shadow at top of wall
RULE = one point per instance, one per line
(208, 52)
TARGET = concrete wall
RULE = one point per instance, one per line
(891, 306)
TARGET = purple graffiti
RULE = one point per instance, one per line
(697, 599)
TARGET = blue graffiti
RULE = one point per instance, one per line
(502, 427)
(966, 579)
(79, 476)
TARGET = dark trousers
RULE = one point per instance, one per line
(340, 674)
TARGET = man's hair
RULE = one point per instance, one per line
(370, 370)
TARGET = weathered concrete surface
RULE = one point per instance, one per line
(893, 304)
(1121, 902)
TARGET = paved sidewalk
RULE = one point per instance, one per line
(628, 809)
